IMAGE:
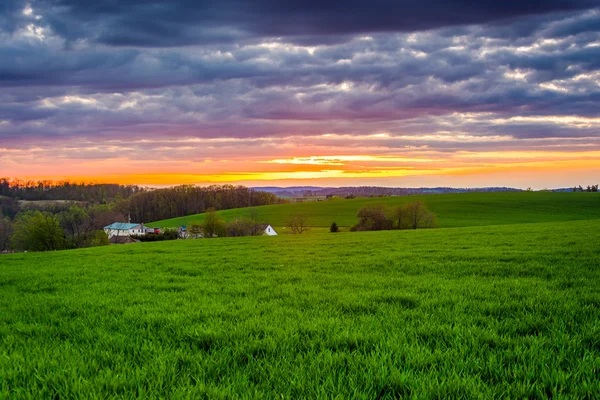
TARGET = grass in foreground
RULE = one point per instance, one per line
(486, 312)
(453, 210)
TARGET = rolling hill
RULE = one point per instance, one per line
(477, 312)
(453, 210)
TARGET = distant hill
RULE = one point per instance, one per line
(367, 191)
(453, 210)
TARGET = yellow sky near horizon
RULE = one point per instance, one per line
(520, 169)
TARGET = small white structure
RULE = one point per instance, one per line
(182, 232)
(269, 230)
(124, 229)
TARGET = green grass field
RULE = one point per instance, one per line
(453, 210)
(507, 311)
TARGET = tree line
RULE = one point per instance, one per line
(101, 193)
(76, 226)
(58, 225)
(589, 188)
(184, 200)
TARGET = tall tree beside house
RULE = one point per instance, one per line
(80, 224)
(37, 231)
(213, 224)
(73, 222)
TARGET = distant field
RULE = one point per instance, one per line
(453, 210)
(44, 203)
(479, 313)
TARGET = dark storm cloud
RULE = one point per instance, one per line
(238, 70)
(159, 23)
(11, 14)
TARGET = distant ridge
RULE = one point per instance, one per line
(304, 191)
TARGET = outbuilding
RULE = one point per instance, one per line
(268, 230)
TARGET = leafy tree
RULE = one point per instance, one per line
(73, 222)
(38, 231)
(334, 228)
(80, 223)
(213, 224)
(373, 217)
(6, 231)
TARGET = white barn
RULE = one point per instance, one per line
(124, 229)
(269, 230)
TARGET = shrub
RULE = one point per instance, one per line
(374, 217)
(407, 216)
(334, 228)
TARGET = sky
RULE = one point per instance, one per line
(281, 93)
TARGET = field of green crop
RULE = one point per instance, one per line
(507, 311)
(453, 210)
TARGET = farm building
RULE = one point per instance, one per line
(268, 230)
(124, 229)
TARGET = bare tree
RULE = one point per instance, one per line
(298, 223)
(256, 228)
(418, 216)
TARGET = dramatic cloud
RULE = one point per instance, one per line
(238, 90)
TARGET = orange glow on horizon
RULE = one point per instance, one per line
(348, 174)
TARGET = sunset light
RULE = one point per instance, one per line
(401, 105)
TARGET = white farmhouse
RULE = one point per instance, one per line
(124, 229)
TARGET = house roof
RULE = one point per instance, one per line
(122, 240)
(121, 226)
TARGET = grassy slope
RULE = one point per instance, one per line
(453, 210)
(481, 312)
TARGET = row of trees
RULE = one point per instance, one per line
(377, 217)
(77, 226)
(188, 199)
(50, 190)
(589, 188)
